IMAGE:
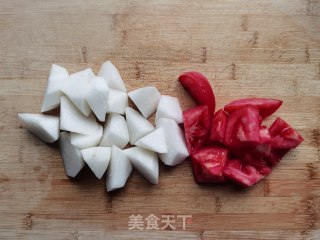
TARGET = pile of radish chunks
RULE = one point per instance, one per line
(96, 125)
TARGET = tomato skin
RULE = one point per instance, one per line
(198, 87)
(243, 128)
(218, 126)
(208, 164)
(283, 136)
(196, 127)
(266, 106)
(242, 174)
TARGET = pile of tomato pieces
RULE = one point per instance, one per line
(232, 143)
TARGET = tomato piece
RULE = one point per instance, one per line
(218, 126)
(263, 157)
(208, 164)
(243, 128)
(266, 106)
(259, 158)
(196, 127)
(283, 136)
(198, 87)
(243, 174)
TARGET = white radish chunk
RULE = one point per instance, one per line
(145, 162)
(58, 76)
(117, 101)
(119, 169)
(97, 158)
(138, 126)
(43, 126)
(154, 141)
(146, 99)
(97, 97)
(115, 131)
(71, 156)
(177, 148)
(112, 76)
(76, 89)
(169, 107)
(82, 141)
(71, 119)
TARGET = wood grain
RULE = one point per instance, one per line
(246, 48)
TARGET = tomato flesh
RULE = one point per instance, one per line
(240, 173)
(196, 127)
(283, 136)
(243, 128)
(218, 126)
(208, 164)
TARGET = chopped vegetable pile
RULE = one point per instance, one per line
(84, 99)
(96, 127)
(232, 143)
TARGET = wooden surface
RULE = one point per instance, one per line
(246, 48)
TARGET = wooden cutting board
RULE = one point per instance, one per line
(246, 48)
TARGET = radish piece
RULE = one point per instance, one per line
(117, 101)
(43, 126)
(82, 141)
(74, 121)
(97, 97)
(138, 126)
(71, 156)
(154, 141)
(115, 131)
(177, 148)
(76, 89)
(119, 169)
(145, 162)
(97, 158)
(146, 99)
(112, 76)
(58, 76)
(169, 107)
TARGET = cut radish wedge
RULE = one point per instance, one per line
(119, 169)
(138, 126)
(76, 89)
(97, 97)
(115, 131)
(117, 101)
(97, 158)
(71, 156)
(154, 141)
(146, 99)
(145, 162)
(112, 76)
(169, 107)
(44, 127)
(74, 121)
(177, 147)
(82, 141)
(58, 76)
